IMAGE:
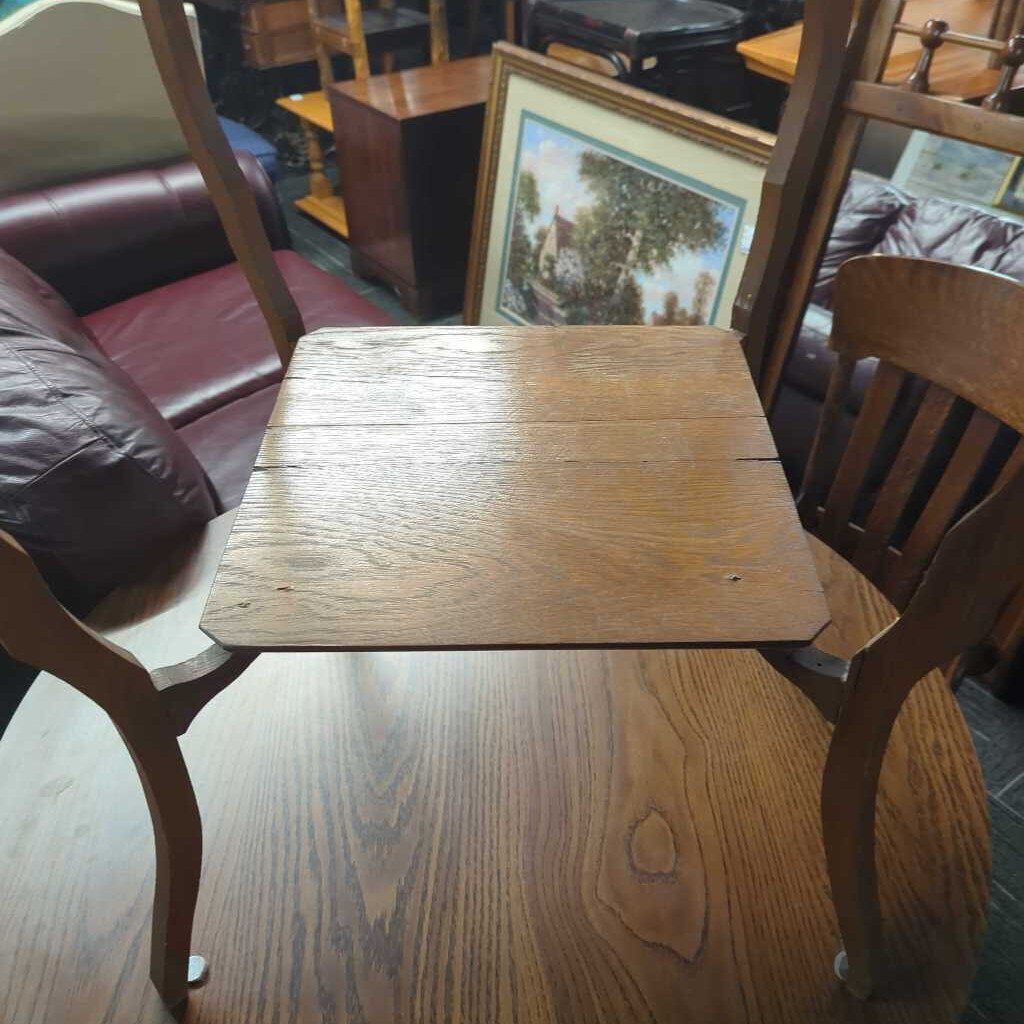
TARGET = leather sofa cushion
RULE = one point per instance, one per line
(868, 209)
(227, 440)
(811, 364)
(27, 298)
(937, 229)
(90, 475)
(195, 345)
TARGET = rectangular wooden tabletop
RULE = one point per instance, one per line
(470, 487)
(956, 70)
(421, 92)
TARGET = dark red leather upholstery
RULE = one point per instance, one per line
(866, 213)
(90, 474)
(196, 344)
(103, 240)
(27, 299)
(227, 440)
(936, 229)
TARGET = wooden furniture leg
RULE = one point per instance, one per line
(360, 55)
(149, 711)
(319, 184)
(323, 56)
(177, 829)
(322, 202)
(848, 797)
(438, 32)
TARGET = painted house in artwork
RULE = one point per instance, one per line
(557, 242)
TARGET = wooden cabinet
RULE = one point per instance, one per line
(275, 33)
(408, 147)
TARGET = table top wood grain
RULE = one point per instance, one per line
(425, 488)
(421, 92)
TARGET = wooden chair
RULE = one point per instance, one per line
(382, 29)
(915, 317)
(808, 175)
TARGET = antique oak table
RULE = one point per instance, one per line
(510, 488)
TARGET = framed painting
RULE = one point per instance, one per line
(934, 165)
(599, 203)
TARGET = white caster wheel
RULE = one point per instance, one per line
(198, 969)
(841, 965)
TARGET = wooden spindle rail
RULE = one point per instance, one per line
(933, 35)
(967, 39)
(1011, 59)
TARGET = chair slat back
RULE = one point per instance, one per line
(956, 328)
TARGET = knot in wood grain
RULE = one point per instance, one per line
(651, 848)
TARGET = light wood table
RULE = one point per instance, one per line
(323, 203)
(956, 71)
(544, 487)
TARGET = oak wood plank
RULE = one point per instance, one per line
(474, 375)
(509, 487)
(715, 438)
(512, 554)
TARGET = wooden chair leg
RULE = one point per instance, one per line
(323, 63)
(177, 829)
(849, 792)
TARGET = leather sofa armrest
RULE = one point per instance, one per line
(108, 238)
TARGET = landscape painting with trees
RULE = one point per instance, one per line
(597, 239)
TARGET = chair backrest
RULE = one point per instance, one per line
(948, 344)
(176, 60)
(327, 37)
(830, 122)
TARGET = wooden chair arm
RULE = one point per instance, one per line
(820, 676)
(36, 629)
(186, 688)
(939, 623)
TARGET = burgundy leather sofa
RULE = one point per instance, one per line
(136, 372)
(876, 217)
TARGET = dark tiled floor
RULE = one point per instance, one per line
(330, 253)
(998, 730)
(997, 727)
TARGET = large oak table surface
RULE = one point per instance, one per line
(956, 70)
(500, 488)
(525, 837)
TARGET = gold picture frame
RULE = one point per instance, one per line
(682, 148)
(1011, 195)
